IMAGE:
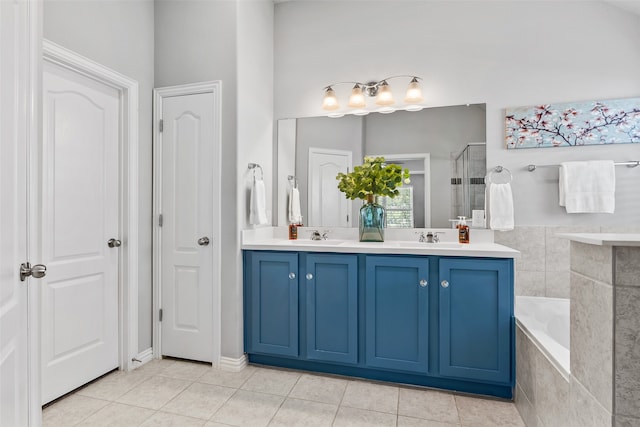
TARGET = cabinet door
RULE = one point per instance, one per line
(397, 313)
(274, 303)
(332, 307)
(475, 319)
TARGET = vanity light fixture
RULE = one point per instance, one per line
(380, 89)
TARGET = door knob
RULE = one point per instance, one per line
(423, 283)
(114, 243)
(309, 276)
(203, 241)
(444, 284)
(38, 271)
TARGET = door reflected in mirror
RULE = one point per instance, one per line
(430, 143)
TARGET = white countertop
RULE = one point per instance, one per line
(395, 243)
(604, 239)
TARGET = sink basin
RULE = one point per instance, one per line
(309, 242)
(419, 245)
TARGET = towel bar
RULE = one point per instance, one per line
(630, 164)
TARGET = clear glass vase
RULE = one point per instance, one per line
(372, 221)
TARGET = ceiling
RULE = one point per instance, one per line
(632, 6)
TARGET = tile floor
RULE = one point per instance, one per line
(184, 394)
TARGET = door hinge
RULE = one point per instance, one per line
(160, 220)
(347, 218)
(160, 315)
(161, 125)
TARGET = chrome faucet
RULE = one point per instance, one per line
(315, 235)
(430, 237)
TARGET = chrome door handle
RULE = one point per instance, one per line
(38, 271)
(203, 241)
(114, 243)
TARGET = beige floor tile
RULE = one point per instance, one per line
(164, 419)
(478, 412)
(118, 415)
(114, 385)
(154, 393)
(71, 410)
(226, 378)
(271, 381)
(304, 413)
(247, 408)
(156, 366)
(375, 397)
(354, 417)
(419, 422)
(319, 389)
(428, 404)
(199, 400)
(185, 370)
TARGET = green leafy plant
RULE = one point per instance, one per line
(373, 178)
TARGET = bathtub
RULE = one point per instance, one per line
(546, 322)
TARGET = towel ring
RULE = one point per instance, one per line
(255, 166)
(499, 175)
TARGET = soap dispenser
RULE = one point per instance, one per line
(463, 230)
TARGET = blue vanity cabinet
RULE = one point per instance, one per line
(475, 316)
(331, 288)
(272, 302)
(397, 312)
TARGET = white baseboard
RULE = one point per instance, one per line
(233, 365)
(142, 358)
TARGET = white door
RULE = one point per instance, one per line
(14, 401)
(80, 207)
(188, 139)
(328, 207)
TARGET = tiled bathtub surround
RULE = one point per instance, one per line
(603, 388)
(543, 267)
(542, 392)
(605, 331)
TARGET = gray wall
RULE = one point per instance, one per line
(231, 41)
(491, 52)
(119, 35)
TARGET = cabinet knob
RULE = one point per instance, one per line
(444, 284)
(309, 276)
(292, 275)
(423, 283)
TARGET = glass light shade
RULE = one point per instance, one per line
(356, 100)
(414, 93)
(385, 97)
(329, 101)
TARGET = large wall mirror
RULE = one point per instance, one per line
(443, 148)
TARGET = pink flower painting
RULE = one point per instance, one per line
(615, 121)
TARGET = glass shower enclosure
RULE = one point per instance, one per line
(468, 169)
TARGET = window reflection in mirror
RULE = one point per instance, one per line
(438, 134)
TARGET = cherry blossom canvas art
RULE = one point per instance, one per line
(615, 121)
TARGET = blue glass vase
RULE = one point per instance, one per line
(372, 221)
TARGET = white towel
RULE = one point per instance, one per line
(500, 207)
(295, 215)
(258, 208)
(587, 187)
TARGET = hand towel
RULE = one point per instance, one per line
(295, 214)
(500, 207)
(258, 206)
(587, 187)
